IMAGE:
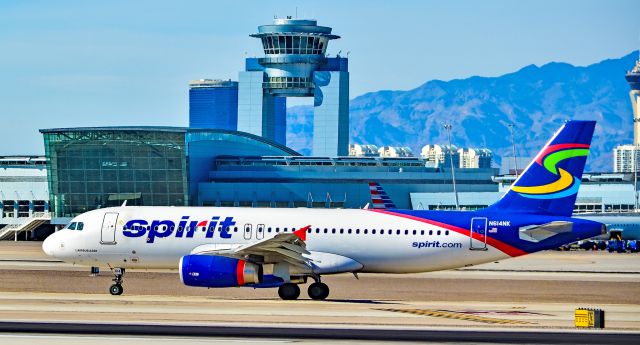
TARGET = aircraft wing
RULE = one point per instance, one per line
(283, 247)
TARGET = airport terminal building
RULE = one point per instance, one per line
(24, 196)
(96, 167)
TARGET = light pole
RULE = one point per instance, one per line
(513, 142)
(635, 177)
(453, 170)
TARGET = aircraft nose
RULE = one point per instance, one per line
(49, 245)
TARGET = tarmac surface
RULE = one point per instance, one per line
(538, 292)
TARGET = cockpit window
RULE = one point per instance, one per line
(72, 226)
(80, 226)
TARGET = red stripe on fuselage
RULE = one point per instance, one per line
(501, 246)
(240, 272)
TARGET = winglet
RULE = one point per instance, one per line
(302, 232)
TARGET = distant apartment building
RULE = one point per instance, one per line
(623, 158)
(395, 151)
(475, 158)
(357, 150)
(441, 155)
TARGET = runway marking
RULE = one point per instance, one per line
(459, 316)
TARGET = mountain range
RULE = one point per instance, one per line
(535, 99)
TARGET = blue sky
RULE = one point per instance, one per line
(94, 63)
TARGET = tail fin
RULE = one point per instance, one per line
(379, 197)
(549, 185)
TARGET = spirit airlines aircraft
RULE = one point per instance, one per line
(217, 247)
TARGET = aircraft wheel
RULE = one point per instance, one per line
(116, 289)
(289, 291)
(318, 291)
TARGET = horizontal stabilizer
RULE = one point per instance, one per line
(537, 233)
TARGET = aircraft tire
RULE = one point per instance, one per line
(116, 289)
(289, 291)
(318, 291)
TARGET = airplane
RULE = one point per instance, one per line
(218, 247)
(619, 227)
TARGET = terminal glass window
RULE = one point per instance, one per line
(288, 45)
(303, 45)
(88, 169)
(294, 44)
(269, 45)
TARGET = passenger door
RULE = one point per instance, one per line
(478, 235)
(108, 232)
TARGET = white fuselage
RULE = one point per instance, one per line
(379, 242)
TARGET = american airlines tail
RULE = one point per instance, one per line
(379, 198)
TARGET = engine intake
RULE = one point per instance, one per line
(218, 271)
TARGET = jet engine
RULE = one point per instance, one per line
(218, 271)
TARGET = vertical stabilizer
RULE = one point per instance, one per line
(379, 197)
(549, 185)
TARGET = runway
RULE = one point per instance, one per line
(303, 334)
(534, 293)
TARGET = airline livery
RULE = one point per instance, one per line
(218, 247)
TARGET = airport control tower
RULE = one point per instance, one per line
(295, 65)
(633, 78)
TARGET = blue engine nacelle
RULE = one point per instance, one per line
(218, 271)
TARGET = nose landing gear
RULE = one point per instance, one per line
(116, 289)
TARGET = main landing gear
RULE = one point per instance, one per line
(116, 289)
(317, 291)
(289, 291)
